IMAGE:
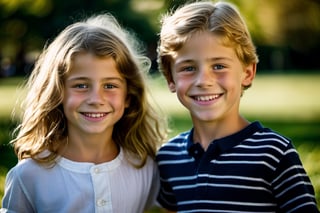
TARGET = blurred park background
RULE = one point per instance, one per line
(285, 95)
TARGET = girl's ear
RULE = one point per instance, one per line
(127, 101)
(249, 74)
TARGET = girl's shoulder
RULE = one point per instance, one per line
(26, 168)
(25, 171)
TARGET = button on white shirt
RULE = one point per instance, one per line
(101, 202)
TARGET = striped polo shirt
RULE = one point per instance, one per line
(253, 170)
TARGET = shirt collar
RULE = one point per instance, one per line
(222, 145)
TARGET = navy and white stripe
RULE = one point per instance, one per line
(254, 170)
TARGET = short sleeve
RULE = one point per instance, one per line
(166, 196)
(292, 186)
(154, 189)
(15, 198)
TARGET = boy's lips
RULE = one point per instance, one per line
(206, 97)
(94, 114)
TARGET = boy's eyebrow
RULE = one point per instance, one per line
(208, 59)
(183, 61)
(219, 59)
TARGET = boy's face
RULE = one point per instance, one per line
(208, 78)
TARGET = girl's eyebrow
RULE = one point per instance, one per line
(81, 78)
(76, 78)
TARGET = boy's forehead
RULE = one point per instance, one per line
(204, 44)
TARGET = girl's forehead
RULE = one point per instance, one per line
(90, 64)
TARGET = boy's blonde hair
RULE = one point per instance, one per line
(221, 18)
(44, 126)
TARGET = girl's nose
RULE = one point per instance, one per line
(96, 96)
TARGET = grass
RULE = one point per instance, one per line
(289, 104)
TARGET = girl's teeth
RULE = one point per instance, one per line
(96, 115)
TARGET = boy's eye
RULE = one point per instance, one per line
(188, 69)
(218, 67)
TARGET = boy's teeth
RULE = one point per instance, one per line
(206, 98)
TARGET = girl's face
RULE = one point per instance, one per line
(95, 95)
(208, 78)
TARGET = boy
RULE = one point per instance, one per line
(224, 163)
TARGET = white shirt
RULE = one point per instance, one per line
(69, 186)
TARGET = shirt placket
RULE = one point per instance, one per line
(102, 192)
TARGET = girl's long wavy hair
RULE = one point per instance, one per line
(221, 19)
(43, 127)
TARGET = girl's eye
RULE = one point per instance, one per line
(109, 86)
(81, 86)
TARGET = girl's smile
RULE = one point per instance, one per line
(95, 95)
(94, 116)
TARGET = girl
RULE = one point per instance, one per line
(88, 134)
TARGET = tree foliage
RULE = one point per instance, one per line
(293, 27)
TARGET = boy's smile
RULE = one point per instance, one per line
(208, 78)
(206, 98)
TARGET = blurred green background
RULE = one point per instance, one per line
(287, 33)
(285, 94)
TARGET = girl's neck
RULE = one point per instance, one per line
(93, 151)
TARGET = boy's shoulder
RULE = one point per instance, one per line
(268, 140)
(253, 135)
(179, 140)
(267, 134)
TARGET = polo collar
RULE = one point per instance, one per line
(224, 144)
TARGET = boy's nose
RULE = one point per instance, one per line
(204, 77)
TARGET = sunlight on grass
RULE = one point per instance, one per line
(283, 96)
(10, 94)
(3, 173)
(310, 157)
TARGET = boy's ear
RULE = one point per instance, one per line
(249, 74)
(172, 86)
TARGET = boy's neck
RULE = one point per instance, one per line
(205, 133)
